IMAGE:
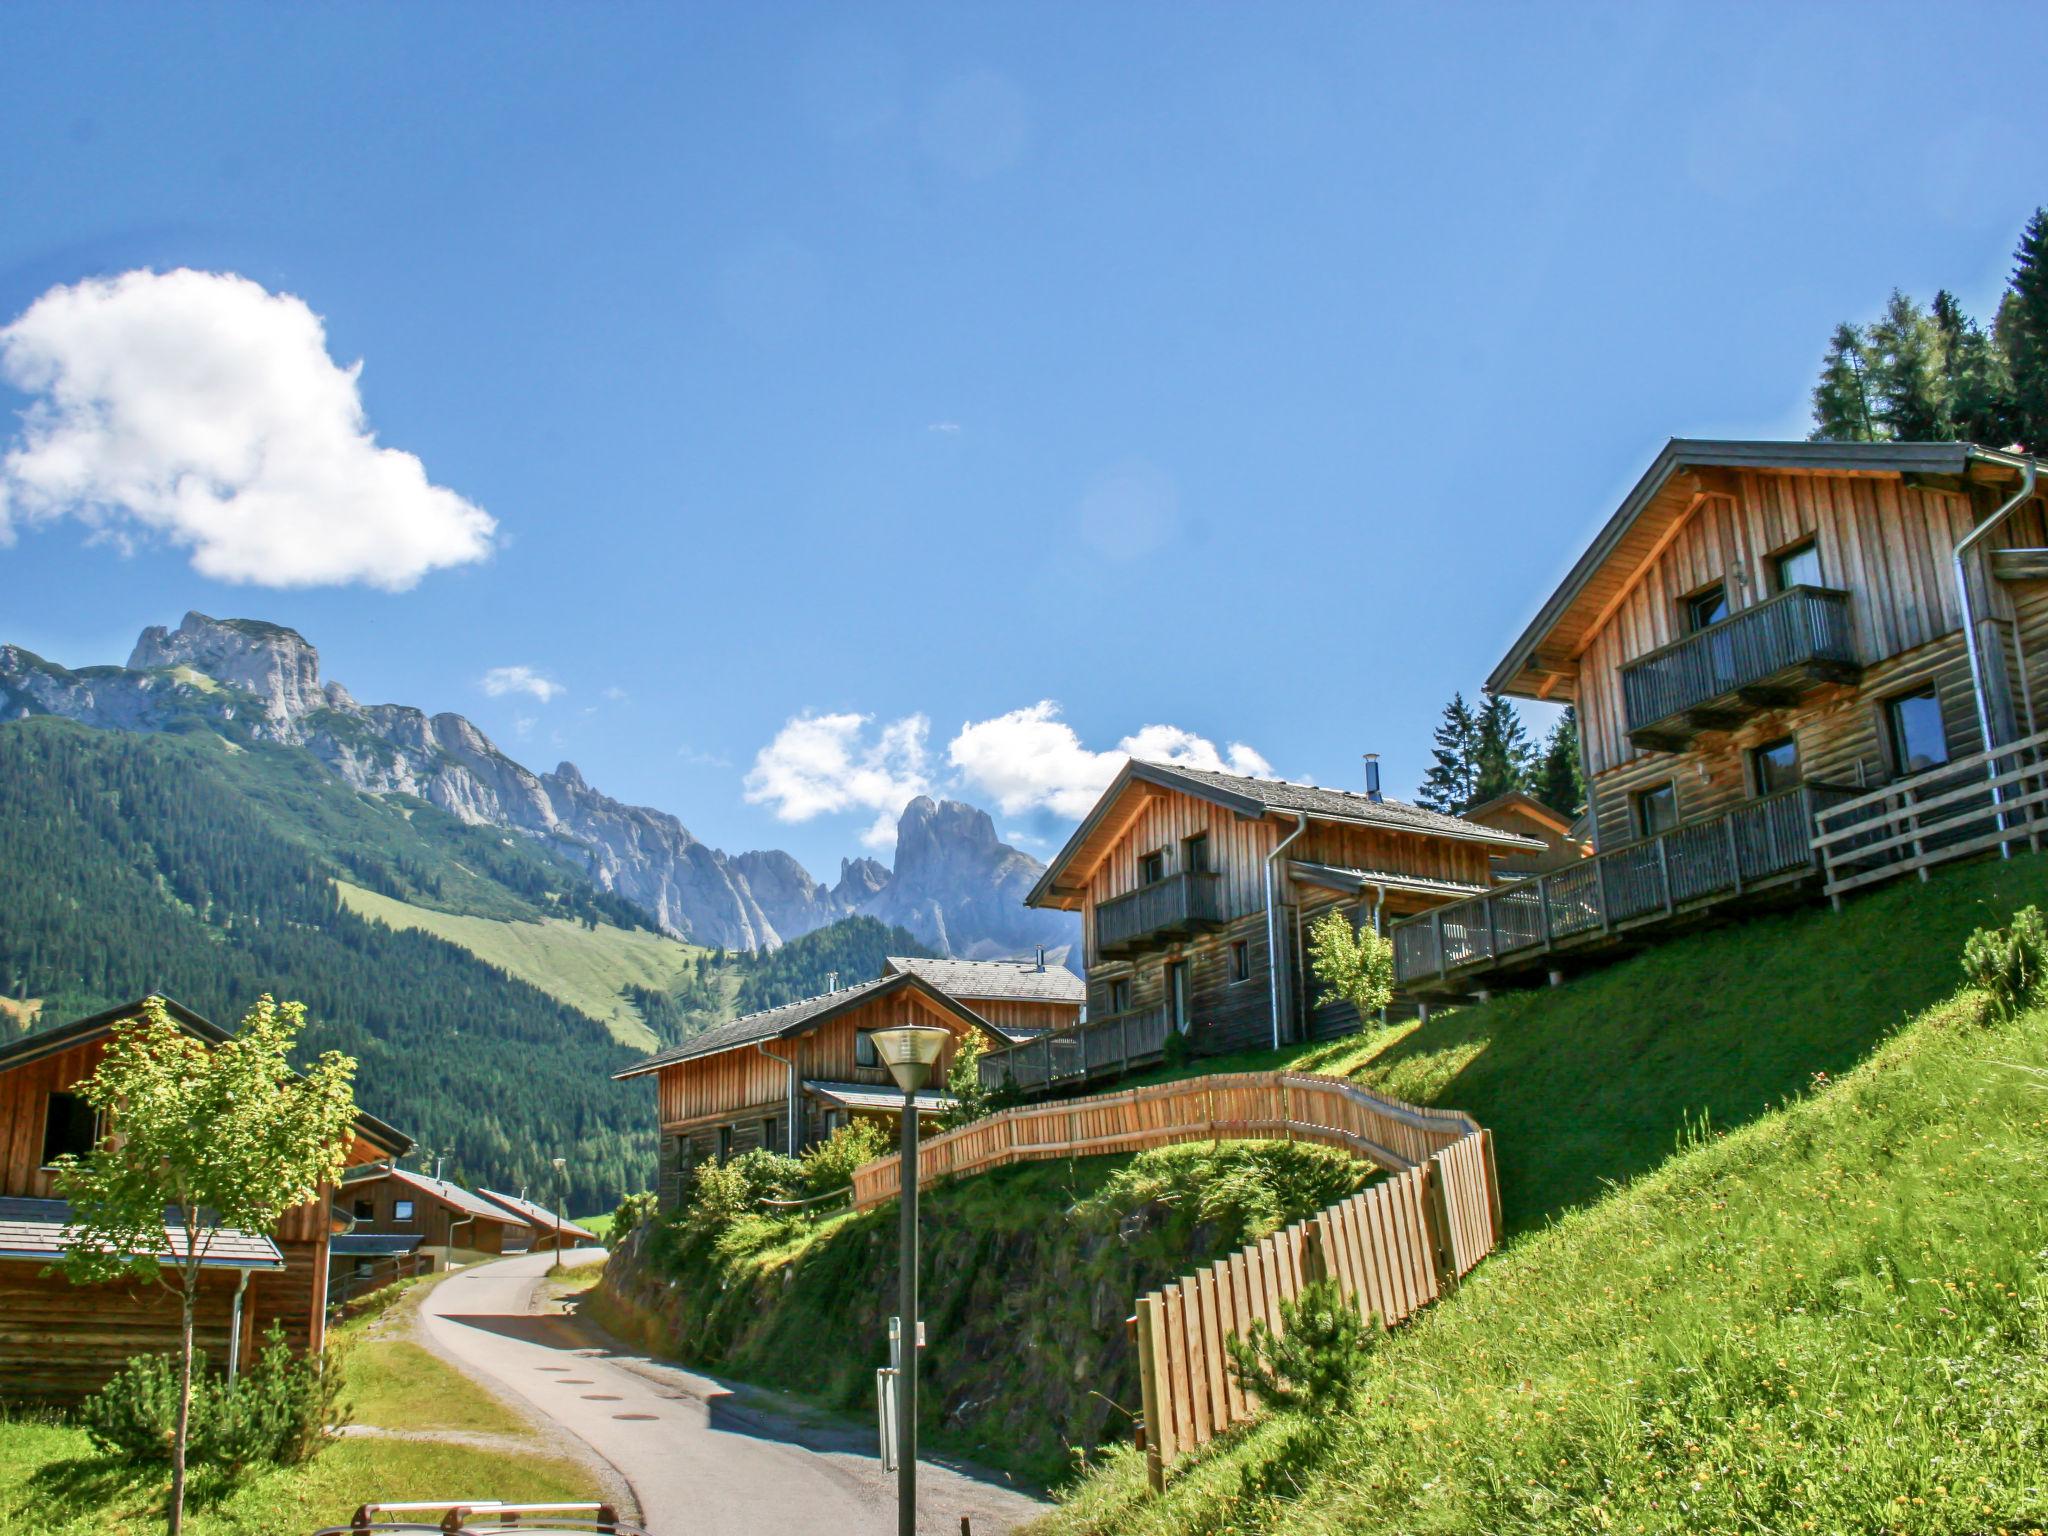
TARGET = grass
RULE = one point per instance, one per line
(54, 1483)
(583, 967)
(1834, 1319)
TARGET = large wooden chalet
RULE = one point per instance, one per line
(1196, 890)
(59, 1341)
(786, 1078)
(1788, 660)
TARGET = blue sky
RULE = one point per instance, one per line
(1249, 371)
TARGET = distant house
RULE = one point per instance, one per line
(1564, 841)
(59, 1341)
(787, 1077)
(1765, 642)
(446, 1217)
(548, 1230)
(1196, 890)
(1021, 998)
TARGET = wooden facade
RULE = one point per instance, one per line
(1207, 961)
(59, 1341)
(445, 1216)
(1517, 812)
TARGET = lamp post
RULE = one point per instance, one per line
(911, 1053)
(561, 1199)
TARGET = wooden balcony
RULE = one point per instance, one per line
(1106, 1047)
(1166, 909)
(1764, 657)
(1765, 845)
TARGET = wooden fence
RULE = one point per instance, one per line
(1392, 1250)
(1234, 1106)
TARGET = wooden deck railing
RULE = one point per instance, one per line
(1699, 861)
(1236, 1106)
(1177, 904)
(1104, 1047)
(1969, 806)
(1392, 1250)
(1802, 627)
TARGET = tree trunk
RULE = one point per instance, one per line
(177, 1511)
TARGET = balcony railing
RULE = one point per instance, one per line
(1105, 1047)
(1167, 908)
(1761, 658)
(1690, 866)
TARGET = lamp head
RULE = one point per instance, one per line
(911, 1052)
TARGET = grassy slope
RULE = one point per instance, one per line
(52, 1482)
(1834, 1319)
(583, 967)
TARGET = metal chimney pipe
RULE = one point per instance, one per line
(1372, 776)
(831, 982)
(1041, 957)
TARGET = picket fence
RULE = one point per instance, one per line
(1392, 1249)
(1235, 1106)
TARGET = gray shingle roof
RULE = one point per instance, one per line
(34, 1229)
(538, 1216)
(436, 1189)
(1343, 878)
(1334, 804)
(1018, 980)
(372, 1245)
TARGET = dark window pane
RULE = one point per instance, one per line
(864, 1050)
(1197, 860)
(1152, 869)
(1241, 961)
(1919, 740)
(1119, 997)
(69, 1128)
(1704, 608)
(1656, 810)
(1798, 567)
(1776, 765)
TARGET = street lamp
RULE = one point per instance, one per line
(911, 1053)
(561, 1199)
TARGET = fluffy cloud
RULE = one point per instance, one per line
(205, 410)
(820, 765)
(1030, 759)
(500, 681)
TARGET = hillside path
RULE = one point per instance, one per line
(703, 1457)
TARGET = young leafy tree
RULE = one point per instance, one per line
(1559, 783)
(202, 1139)
(971, 1101)
(1506, 759)
(1454, 773)
(1355, 966)
(1841, 400)
(2023, 329)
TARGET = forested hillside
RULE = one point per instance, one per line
(186, 865)
(852, 948)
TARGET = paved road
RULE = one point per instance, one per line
(702, 1457)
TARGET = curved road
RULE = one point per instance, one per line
(703, 1457)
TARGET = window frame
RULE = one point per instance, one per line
(1119, 996)
(1147, 864)
(864, 1052)
(1240, 961)
(404, 1210)
(1755, 757)
(1777, 559)
(1689, 604)
(1194, 855)
(1639, 798)
(1894, 738)
(49, 1162)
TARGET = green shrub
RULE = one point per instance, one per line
(722, 1192)
(278, 1411)
(971, 1101)
(1242, 1189)
(633, 1213)
(2008, 963)
(133, 1415)
(1314, 1364)
(829, 1165)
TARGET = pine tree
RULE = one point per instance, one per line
(1454, 772)
(1559, 784)
(1841, 401)
(2023, 328)
(1978, 381)
(1506, 759)
(1908, 377)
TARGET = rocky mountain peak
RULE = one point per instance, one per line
(570, 776)
(858, 880)
(961, 889)
(278, 665)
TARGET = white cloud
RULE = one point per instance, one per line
(616, 695)
(820, 765)
(203, 409)
(1030, 759)
(500, 681)
(942, 426)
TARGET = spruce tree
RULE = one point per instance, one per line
(1978, 382)
(1559, 783)
(1506, 759)
(2023, 328)
(1453, 773)
(1908, 378)
(1841, 400)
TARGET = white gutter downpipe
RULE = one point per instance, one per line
(789, 1130)
(235, 1327)
(1273, 919)
(1969, 541)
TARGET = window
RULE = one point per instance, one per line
(1241, 961)
(1195, 854)
(1919, 739)
(1656, 810)
(401, 1210)
(1707, 606)
(724, 1142)
(1177, 995)
(366, 1210)
(70, 1128)
(1798, 566)
(1120, 996)
(1775, 766)
(1152, 868)
(864, 1052)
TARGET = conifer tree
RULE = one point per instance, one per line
(1841, 401)
(1506, 758)
(1559, 783)
(1454, 772)
(2023, 328)
(1978, 382)
(1908, 375)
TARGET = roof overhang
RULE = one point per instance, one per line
(1542, 662)
(873, 1096)
(1335, 877)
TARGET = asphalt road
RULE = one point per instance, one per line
(702, 1457)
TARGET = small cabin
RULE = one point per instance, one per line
(548, 1231)
(60, 1342)
(446, 1218)
(787, 1077)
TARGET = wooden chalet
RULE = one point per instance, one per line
(549, 1231)
(1019, 998)
(60, 1342)
(1196, 890)
(786, 1078)
(447, 1218)
(1564, 841)
(1797, 666)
